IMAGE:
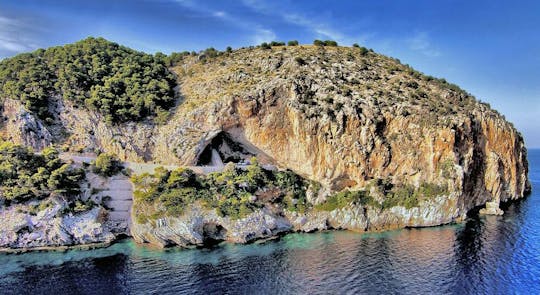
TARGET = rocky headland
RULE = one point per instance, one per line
(369, 143)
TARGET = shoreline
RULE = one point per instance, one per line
(277, 236)
(90, 246)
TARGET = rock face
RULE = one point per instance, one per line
(200, 226)
(49, 228)
(340, 117)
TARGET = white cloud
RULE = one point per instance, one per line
(14, 36)
(320, 29)
(263, 35)
(220, 14)
(420, 42)
(260, 33)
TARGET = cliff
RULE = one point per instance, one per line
(342, 117)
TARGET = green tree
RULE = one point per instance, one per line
(292, 43)
(106, 165)
(317, 42)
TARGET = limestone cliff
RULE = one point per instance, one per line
(336, 115)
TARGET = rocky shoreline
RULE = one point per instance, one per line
(201, 228)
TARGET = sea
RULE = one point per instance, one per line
(482, 255)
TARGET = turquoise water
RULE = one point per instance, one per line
(484, 255)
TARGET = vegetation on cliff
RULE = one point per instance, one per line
(26, 176)
(121, 83)
(234, 192)
(106, 165)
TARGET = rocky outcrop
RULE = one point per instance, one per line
(23, 127)
(199, 226)
(50, 227)
(341, 117)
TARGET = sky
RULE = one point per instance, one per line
(489, 48)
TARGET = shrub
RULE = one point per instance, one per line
(265, 45)
(106, 165)
(345, 198)
(26, 176)
(277, 43)
(330, 43)
(356, 45)
(363, 51)
(317, 42)
(292, 43)
(231, 192)
(409, 196)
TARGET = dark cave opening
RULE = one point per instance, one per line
(228, 149)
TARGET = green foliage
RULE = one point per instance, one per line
(120, 83)
(277, 43)
(318, 42)
(409, 196)
(356, 45)
(234, 192)
(330, 43)
(175, 58)
(106, 165)
(292, 43)
(265, 45)
(346, 198)
(363, 51)
(210, 52)
(26, 176)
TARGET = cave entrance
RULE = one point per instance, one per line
(223, 148)
(213, 234)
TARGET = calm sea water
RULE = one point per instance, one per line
(484, 255)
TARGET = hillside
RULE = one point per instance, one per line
(370, 143)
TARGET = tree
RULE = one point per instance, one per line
(292, 43)
(363, 51)
(265, 45)
(106, 165)
(356, 45)
(330, 43)
(317, 42)
(120, 83)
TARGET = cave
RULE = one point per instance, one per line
(213, 233)
(227, 148)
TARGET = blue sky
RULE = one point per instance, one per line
(489, 48)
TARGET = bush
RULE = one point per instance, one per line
(317, 42)
(363, 51)
(356, 45)
(277, 43)
(345, 198)
(409, 196)
(330, 43)
(106, 165)
(27, 176)
(265, 45)
(292, 43)
(232, 192)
